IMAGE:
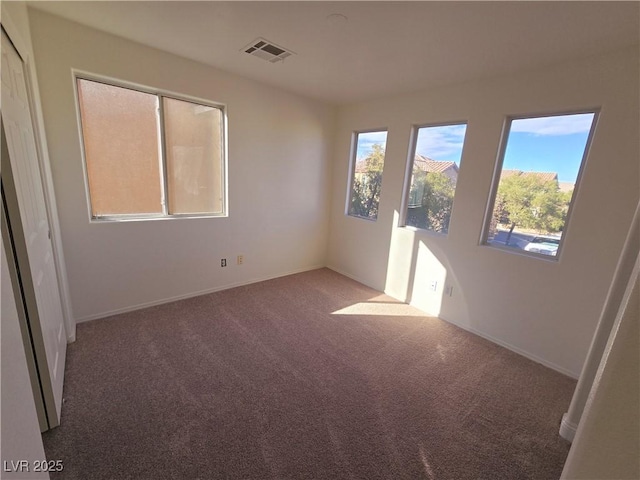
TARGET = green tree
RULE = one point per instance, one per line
(529, 202)
(565, 199)
(367, 184)
(437, 201)
(431, 200)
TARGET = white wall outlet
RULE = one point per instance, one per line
(240, 259)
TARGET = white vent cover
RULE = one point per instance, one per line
(267, 50)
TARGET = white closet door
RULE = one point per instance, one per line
(45, 317)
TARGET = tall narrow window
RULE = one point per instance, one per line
(367, 165)
(435, 165)
(541, 161)
(150, 155)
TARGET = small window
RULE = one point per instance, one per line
(434, 167)
(541, 164)
(367, 164)
(148, 155)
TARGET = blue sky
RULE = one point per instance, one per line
(366, 142)
(542, 144)
(548, 144)
(442, 142)
(438, 143)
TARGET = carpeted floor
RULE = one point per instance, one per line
(310, 376)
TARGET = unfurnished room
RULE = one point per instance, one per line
(320, 240)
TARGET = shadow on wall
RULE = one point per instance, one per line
(421, 275)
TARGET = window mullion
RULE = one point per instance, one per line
(164, 183)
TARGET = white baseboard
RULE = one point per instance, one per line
(72, 337)
(567, 429)
(506, 345)
(517, 350)
(352, 277)
(162, 301)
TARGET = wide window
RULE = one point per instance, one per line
(540, 167)
(367, 163)
(434, 167)
(151, 155)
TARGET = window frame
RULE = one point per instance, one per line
(408, 174)
(160, 94)
(495, 181)
(352, 169)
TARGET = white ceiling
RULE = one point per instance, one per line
(383, 48)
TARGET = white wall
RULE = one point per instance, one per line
(546, 310)
(279, 179)
(608, 439)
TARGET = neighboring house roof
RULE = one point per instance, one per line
(361, 166)
(544, 176)
(566, 186)
(425, 164)
(428, 165)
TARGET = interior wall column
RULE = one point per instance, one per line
(571, 419)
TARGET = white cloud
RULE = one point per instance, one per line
(558, 125)
(373, 137)
(367, 140)
(441, 142)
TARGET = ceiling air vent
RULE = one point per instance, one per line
(267, 50)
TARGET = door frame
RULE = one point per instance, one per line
(37, 121)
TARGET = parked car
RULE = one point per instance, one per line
(544, 245)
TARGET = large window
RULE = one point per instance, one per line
(367, 163)
(540, 167)
(434, 167)
(148, 155)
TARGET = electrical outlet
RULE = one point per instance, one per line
(240, 259)
(223, 262)
(433, 285)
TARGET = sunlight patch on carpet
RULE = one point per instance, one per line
(380, 308)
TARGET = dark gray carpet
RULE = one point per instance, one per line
(267, 382)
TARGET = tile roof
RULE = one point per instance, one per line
(428, 165)
(423, 163)
(544, 176)
(361, 167)
(566, 186)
